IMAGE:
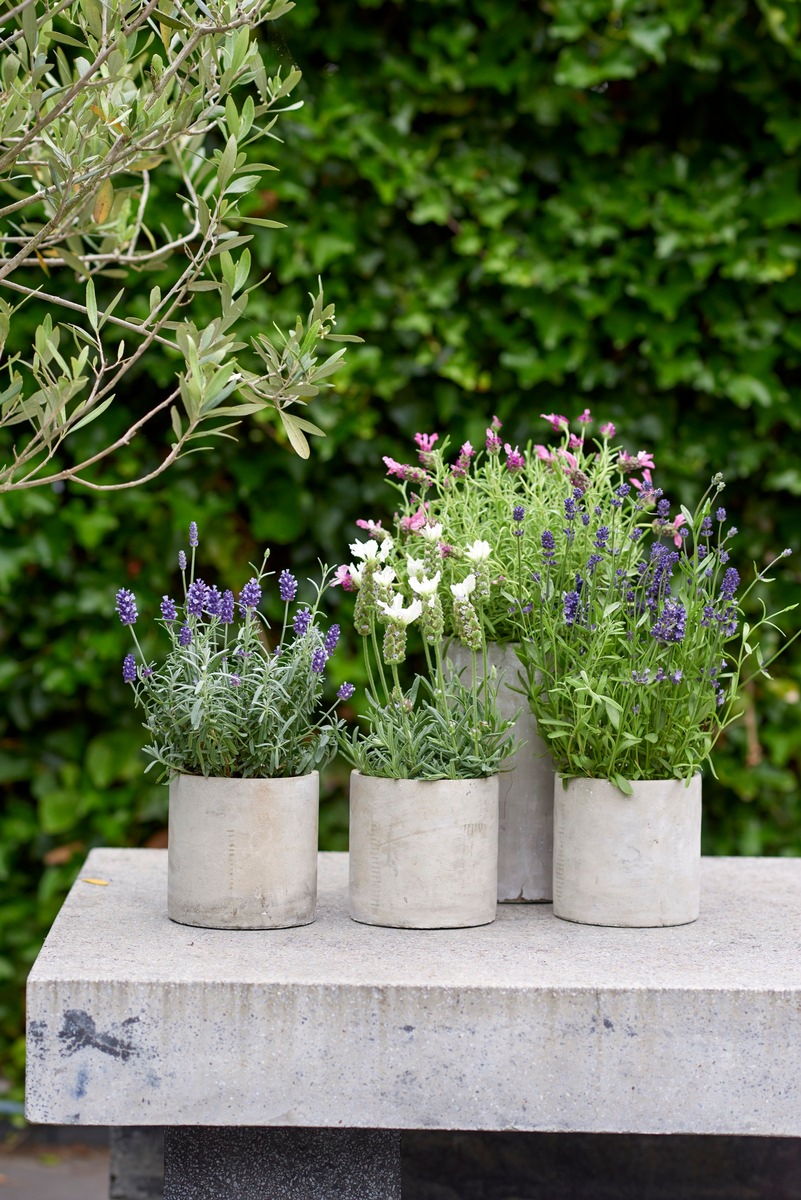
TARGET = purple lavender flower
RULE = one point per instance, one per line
(623, 489)
(250, 595)
(571, 607)
(126, 607)
(731, 582)
(301, 622)
(706, 526)
(331, 639)
(234, 679)
(602, 536)
(129, 668)
(185, 636)
(663, 509)
(570, 508)
(721, 514)
(660, 675)
(181, 560)
(636, 534)
(346, 691)
(548, 543)
(168, 610)
(318, 661)
(640, 676)
(518, 513)
(592, 563)
(196, 598)
(585, 519)
(702, 553)
(193, 533)
(287, 586)
(146, 671)
(672, 623)
(676, 676)
(785, 553)
(227, 607)
(213, 601)
(724, 556)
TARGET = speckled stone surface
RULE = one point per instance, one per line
(527, 1024)
(293, 1164)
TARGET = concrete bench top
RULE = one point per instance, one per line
(528, 1024)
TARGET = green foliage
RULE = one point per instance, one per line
(506, 239)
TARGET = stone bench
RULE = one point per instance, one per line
(328, 1039)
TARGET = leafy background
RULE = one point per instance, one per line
(521, 208)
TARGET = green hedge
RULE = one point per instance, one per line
(522, 209)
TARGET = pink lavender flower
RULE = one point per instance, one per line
(608, 429)
(301, 621)
(227, 607)
(556, 421)
(416, 522)
(496, 423)
(181, 560)
(250, 595)
(373, 528)
(193, 538)
(462, 464)
(585, 418)
(185, 636)
(575, 443)
(426, 442)
(346, 691)
(126, 607)
(168, 609)
(129, 668)
(635, 462)
(406, 472)
(515, 461)
(544, 453)
(493, 443)
(343, 578)
(287, 586)
(318, 661)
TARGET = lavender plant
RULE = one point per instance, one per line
(223, 702)
(441, 727)
(472, 501)
(634, 661)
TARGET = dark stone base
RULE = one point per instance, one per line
(598, 1166)
(281, 1164)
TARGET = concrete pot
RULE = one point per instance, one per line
(243, 852)
(525, 838)
(423, 854)
(627, 860)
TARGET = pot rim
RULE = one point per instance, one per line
(427, 782)
(234, 779)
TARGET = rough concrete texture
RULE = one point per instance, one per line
(137, 1163)
(423, 853)
(243, 852)
(528, 1023)
(293, 1164)
(558, 1166)
(627, 860)
(525, 838)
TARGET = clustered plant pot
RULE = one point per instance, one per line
(627, 860)
(243, 852)
(423, 854)
(525, 835)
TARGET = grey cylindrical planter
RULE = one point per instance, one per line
(627, 860)
(423, 854)
(243, 852)
(525, 838)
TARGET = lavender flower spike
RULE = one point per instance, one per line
(196, 598)
(129, 668)
(331, 639)
(318, 661)
(213, 601)
(126, 607)
(227, 607)
(250, 595)
(181, 560)
(301, 622)
(346, 691)
(185, 636)
(168, 609)
(193, 539)
(287, 586)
